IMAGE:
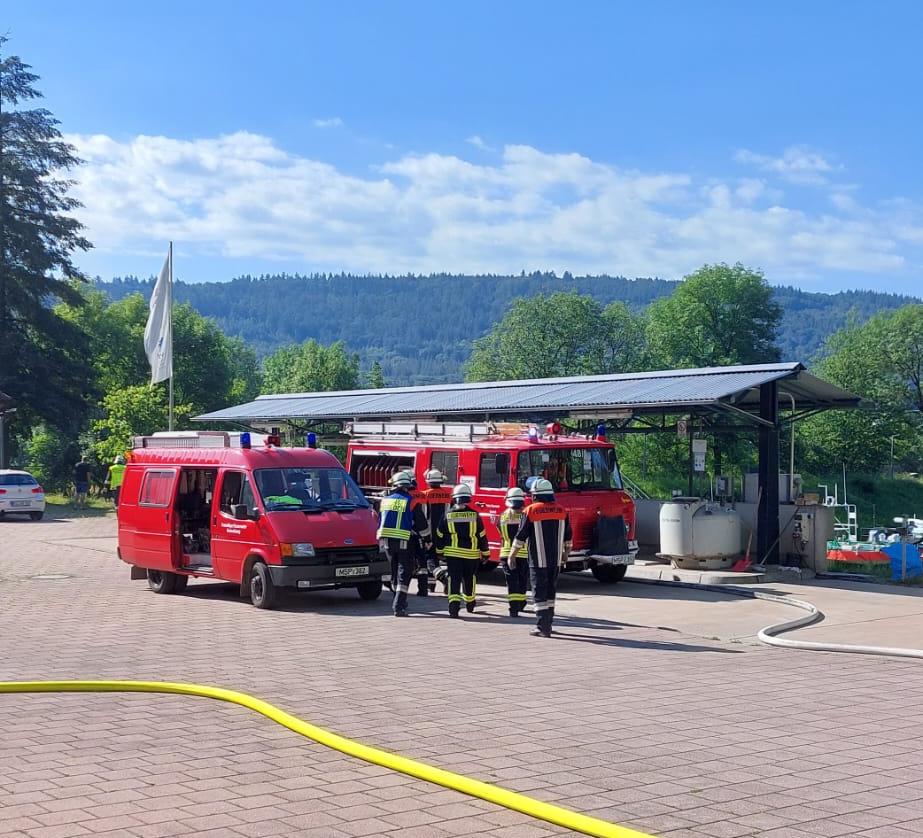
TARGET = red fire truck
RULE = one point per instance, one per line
(491, 458)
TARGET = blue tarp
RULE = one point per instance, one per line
(899, 553)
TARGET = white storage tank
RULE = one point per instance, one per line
(697, 534)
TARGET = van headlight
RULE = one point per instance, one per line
(302, 549)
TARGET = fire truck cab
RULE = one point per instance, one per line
(491, 458)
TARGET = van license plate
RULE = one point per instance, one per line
(21, 503)
(352, 571)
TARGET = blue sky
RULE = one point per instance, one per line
(635, 139)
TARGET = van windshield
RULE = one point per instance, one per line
(571, 469)
(308, 488)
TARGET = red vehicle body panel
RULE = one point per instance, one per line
(372, 461)
(148, 533)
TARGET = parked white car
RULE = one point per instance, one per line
(21, 494)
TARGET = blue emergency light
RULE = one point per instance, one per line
(245, 440)
(311, 439)
(601, 432)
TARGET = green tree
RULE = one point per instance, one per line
(43, 359)
(559, 335)
(133, 411)
(721, 314)
(375, 378)
(50, 455)
(309, 368)
(882, 361)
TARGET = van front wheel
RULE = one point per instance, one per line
(369, 590)
(161, 582)
(262, 589)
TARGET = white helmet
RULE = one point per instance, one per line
(403, 479)
(515, 497)
(434, 477)
(541, 486)
(461, 493)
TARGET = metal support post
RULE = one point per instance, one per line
(767, 513)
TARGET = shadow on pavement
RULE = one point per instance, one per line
(641, 644)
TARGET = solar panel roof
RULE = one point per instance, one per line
(647, 392)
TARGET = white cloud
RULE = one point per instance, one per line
(796, 165)
(477, 142)
(328, 122)
(243, 197)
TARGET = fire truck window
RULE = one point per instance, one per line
(235, 489)
(494, 471)
(157, 488)
(570, 469)
(447, 463)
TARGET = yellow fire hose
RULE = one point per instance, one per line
(457, 782)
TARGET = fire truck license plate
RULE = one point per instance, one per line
(352, 571)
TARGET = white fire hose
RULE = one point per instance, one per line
(768, 635)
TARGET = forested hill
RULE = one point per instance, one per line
(421, 328)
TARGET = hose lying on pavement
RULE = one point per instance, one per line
(448, 779)
(768, 634)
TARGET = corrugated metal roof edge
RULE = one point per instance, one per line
(229, 415)
(782, 368)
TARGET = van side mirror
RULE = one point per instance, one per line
(502, 464)
(240, 511)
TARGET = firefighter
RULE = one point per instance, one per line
(400, 525)
(461, 540)
(517, 577)
(547, 533)
(434, 500)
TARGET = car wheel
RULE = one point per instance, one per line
(36, 516)
(369, 590)
(609, 574)
(161, 582)
(262, 588)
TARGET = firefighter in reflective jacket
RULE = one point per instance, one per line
(434, 500)
(462, 541)
(546, 531)
(517, 577)
(400, 524)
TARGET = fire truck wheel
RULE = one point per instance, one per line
(609, 574)
(369, 590)
(181, 581)
(161, 582)
(262, 589)
(486, 568)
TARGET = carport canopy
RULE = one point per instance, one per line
(716, 391)
(719, 399)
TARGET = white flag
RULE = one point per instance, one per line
(158, 333)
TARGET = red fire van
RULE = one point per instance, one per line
(492, 458)
(214, 505)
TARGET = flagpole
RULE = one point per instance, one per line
(170, 310)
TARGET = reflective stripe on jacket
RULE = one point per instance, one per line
(396, 519)
(510, 522)
(461, 535)
(546, 529)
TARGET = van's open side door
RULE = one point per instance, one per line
(156, 536)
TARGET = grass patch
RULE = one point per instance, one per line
(62, 506)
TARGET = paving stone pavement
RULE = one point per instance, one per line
(647, 727)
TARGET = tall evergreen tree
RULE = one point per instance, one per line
(43, 363)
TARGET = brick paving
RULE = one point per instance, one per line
(647, 727)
